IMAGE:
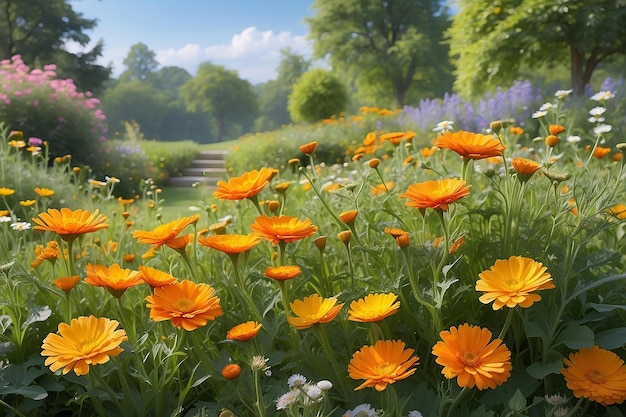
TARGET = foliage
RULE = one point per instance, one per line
(43, 106)
(140, 63)
(38, 30)
(317, 95)
(223, 98)
(488, 44)
(393, 49)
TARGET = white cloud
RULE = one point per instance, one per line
(254, 54)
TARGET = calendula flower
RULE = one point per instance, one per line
(44, 192)
(247, 185)
(308, 148)
(156, 278)
(555, 129)
(4, 192)
(231, 371)
(186, 304)
(244, 331)
(436, 194)
(349, 216)
(285, 229)
(66, 283)
(165, 232)
(382, 188)
(27, 203)
(115, 279)
(283, 272)
(230, 244)
(513, 281)
(373, 307)
(596, 374)
(618, 210)
(313, 310)
(85, 341)
(525, 168)
(384, 363)
(70, 224)
(600, 152)
(470, 145)
(469, 354)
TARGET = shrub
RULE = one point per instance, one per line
(317, 95)
(42, 106)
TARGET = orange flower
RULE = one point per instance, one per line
(312, 310)
(600, 152)
(349, 216)
(70, 224)
(115, 279)
(180, 243)
(382, 188)
(470, 145)
(469, 354)
(85, 341)
(230, 244)
(374, 307)
(285, 229)
(384, 363)
(516, 130)
(596, 374)
(156, 278)
(555, 129)
(44, 192)
(308, 148)
(283, 272)
(187, 304)
(552, 140)
(164, 233)
(247, 185)
(426, 152)
(618, 210)
(436, 194)
(525, 168)
(231, 371)
(395, 232)
(66, 283)
(513, 281)
(244, 331)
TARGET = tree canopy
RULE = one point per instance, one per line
(490, 43)
(39, 31)
(140, 63)
(393, 45)
(223, 97)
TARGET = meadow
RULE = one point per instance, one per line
(362, 266)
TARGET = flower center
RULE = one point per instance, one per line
(595, 376)
(183, 304)
(469, 358)
(385, 368)
(515, 283)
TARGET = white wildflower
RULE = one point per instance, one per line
(573, 139)
(561, 94)
(443, 126)
(20, 226)
(296, 380)
(363, 410)
(597, 111)
(602, 96)
(416, 413)
(287, 399)
(561, 412)
(325, 385)
(595, 119)
(546, 106)
(5, 219)
(313, 392)
(556, 399)
(259, 363)
(539, 114)
(600, 129)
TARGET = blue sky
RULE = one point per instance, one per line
(242, 35)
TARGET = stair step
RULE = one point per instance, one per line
(207, 168)
(212, 155)
(208, 163)
(198, 172)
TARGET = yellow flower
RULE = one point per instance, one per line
(619, 211)
(513, 281)
(6, 191)
(85, 341)
(374, 307)
(436, 194)
(186, 304)
(469, 354)
(244, 331)
(312, 310)
(115, 279)
(247, 185)
(70, 224)
(596, 374)
(44, 192)
(283, 272)
(27, 203)
(230, 244)
(384, 363)
(285, 229)
(470, 145)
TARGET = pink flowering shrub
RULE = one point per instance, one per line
(41, 105)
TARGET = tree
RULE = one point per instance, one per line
(223, 97)
(395, 45)
(317, 95)
(274, 94)
(140, 63)
(489, 44)
(169, 80)
(39, 31)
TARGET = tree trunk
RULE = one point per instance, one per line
(577, 73)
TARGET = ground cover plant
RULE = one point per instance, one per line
(478, 274)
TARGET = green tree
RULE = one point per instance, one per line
(227, 100)
(490, 43)
(393, 45)
(317, 95)
(39, 31)
(274, 94)
(169, 80)
(140, 63)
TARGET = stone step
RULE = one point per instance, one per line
(207, 168)
(208, 163)
(219, 155)
(199, 172)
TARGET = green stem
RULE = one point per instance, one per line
(456, 401)
(257, 392)
(320, 331)
(242, 288)
(15, 410)
(506, 325)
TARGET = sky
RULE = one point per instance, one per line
(242, 35)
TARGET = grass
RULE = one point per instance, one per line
(178, 200)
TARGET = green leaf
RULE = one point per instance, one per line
(37, 314)
(517, 403)
(603, 308)
(553, 365)
(34, 392)
(611, 339)
(575, 336)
